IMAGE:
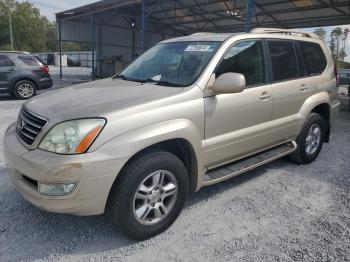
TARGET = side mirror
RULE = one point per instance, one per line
(229, 83)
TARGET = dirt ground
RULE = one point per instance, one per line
(279, 212)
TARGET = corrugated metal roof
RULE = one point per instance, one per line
(188, 16)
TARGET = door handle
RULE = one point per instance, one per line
(12, 69)
(303, 88)
(264, 96)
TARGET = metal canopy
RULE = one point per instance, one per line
(186, 16)
(127, 27)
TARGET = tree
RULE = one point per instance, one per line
(32, 32)
(336, 39)
(337, 45)
(321, 33)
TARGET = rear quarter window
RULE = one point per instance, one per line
(5, 61)
(314, 58)
(30, 60)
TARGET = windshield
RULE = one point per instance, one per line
(171, 64)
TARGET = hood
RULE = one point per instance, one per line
(96, 98)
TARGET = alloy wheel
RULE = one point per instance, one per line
(155, 197)
(313, 139)
(26, 90)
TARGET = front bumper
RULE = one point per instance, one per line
(93, 172)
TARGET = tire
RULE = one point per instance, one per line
(126, 209)
(307, 153)
(24, 89)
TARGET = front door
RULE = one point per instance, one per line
(236, 124)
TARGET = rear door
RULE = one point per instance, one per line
(289, 86)
(7, 71)
(33, 66)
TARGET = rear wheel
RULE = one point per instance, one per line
(310, 140)
(149, 195)
(24, 89)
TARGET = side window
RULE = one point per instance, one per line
(29, 60)
(5, 61)
(314, 59)
(283, 59)
(246, 58)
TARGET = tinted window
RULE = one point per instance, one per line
(5, 61)
(283, 59)
(40, 60)
(314, 59)
(30, 60)
(246, 58)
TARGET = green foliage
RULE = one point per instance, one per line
(337, 44)
(346, 65)
(76, 46)
(321, 33)
(32, 32)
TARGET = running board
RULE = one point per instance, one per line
(240, 166)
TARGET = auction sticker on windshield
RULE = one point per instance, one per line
(198, 48)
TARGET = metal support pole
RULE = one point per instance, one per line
(60, 45)
(99, 52)
(92, 46)
(143, 25)
(10, 26)
(248, 22)
(133, 41)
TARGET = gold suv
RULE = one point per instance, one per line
(190, 112)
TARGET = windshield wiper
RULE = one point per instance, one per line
(121, 76)
(161, 82)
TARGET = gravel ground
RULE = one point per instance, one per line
(280, 212)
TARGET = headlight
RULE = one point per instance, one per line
(72, 137)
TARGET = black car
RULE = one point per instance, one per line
(71, 61)
(22, 74)
(344, 76)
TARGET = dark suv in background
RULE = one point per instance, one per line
(22, 74)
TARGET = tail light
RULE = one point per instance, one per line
(335, 71)
(45, 69)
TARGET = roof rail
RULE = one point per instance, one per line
(201, 33)
(283, 31)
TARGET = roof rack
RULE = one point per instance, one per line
(283, 32)
(17, 52)
(201, 33)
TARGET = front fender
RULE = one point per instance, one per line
(132, 142)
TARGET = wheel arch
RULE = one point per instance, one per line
(179, 137)
(15, 81)
(324, 110)
(179, 147)
(318, 103)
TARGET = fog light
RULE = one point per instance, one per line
(56, 189)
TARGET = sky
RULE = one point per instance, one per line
(50, 7)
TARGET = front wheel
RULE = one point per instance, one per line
(310, 140)
(149, 195)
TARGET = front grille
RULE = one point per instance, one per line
(29, 126)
